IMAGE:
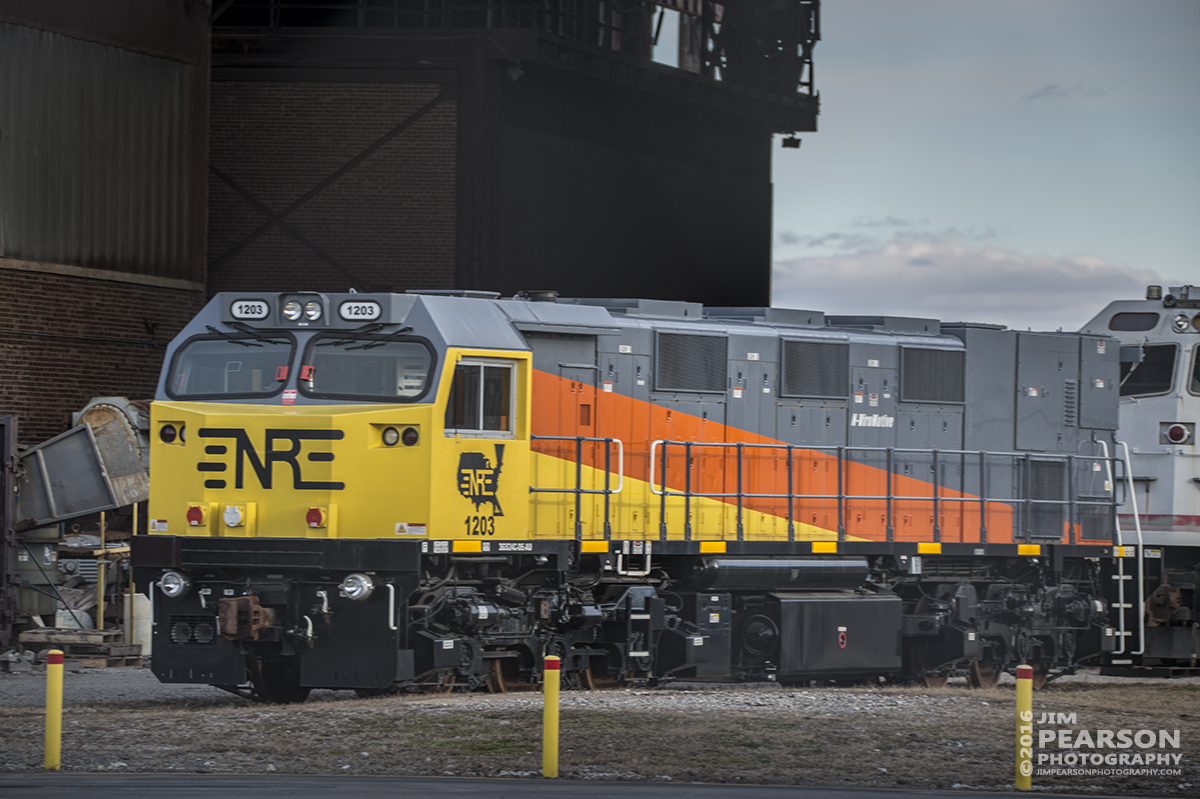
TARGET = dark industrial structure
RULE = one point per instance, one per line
(154, 152)
(502, 144)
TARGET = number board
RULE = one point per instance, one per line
(356, 310)
(250, 309)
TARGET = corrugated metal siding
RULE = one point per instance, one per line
(96, 153)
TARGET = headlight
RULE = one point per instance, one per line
(175, 585)
(312, 310)
(357, 587)
(391, 436)
(292, 311)
(1181, 323)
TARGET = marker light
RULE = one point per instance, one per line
(1178, 434)
(1181, 323)
(411, 437)
(312, 310)
(167, 433)
(357, 587)
(292, 311)
(391, 437)
(175, 585)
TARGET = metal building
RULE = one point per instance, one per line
(502, 144)
(103, 129)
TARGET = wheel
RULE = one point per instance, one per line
(274, 683)
(983, 674)
(1041, 675)
(597, 678)
(916, 659)
(504, 675)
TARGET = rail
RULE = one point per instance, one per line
(579, 490)
(1075, 503)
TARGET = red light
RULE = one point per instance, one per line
(410, 436)
(1178, 433)
(195, 515)
(167, 433)
(314, 517)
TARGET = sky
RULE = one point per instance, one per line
(1021, 162)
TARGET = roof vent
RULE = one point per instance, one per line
(537, 296)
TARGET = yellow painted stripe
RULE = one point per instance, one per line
(1029, 549)
(594, 546)
(468, 546)
(826, 547)
(712, 546)
(929, 549)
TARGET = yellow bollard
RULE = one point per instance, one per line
(1024, 778)
(54, 701)
(550, 682)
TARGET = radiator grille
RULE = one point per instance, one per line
(691, 363)
(1047, 481)
(933, 375)
(815, 369)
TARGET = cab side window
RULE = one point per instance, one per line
(1195, 386)
(481, 400)
(1153, 375)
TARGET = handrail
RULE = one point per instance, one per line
(1072, 502)
(579, 490)
(1141, 551)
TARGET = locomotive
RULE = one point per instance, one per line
(1159, 523)
(438, 489)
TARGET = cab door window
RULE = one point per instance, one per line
(481, 401)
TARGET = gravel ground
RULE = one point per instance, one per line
(914, 738)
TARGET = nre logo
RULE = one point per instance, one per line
(264, 467)
(478, 481)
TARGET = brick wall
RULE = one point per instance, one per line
(64, 340)
(389, 222)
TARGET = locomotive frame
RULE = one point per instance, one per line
(437, 489)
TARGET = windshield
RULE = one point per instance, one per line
(367, 367)
(230, 366)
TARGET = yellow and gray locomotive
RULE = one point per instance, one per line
(372, 491)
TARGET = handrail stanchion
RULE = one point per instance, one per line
(937, 508)
(841, 497)
(687, 491)
(662, 518)
(982, 497)
(607, 484)
(578, 488)
(791, 496)
(741, 532)
(890, 528)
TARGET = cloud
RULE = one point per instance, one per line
(835, 240)
(1052, 92)
(953, 282)
(888, 221)
(903, 231)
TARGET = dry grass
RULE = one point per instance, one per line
(965, 738)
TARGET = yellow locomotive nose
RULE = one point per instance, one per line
(308, 472)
